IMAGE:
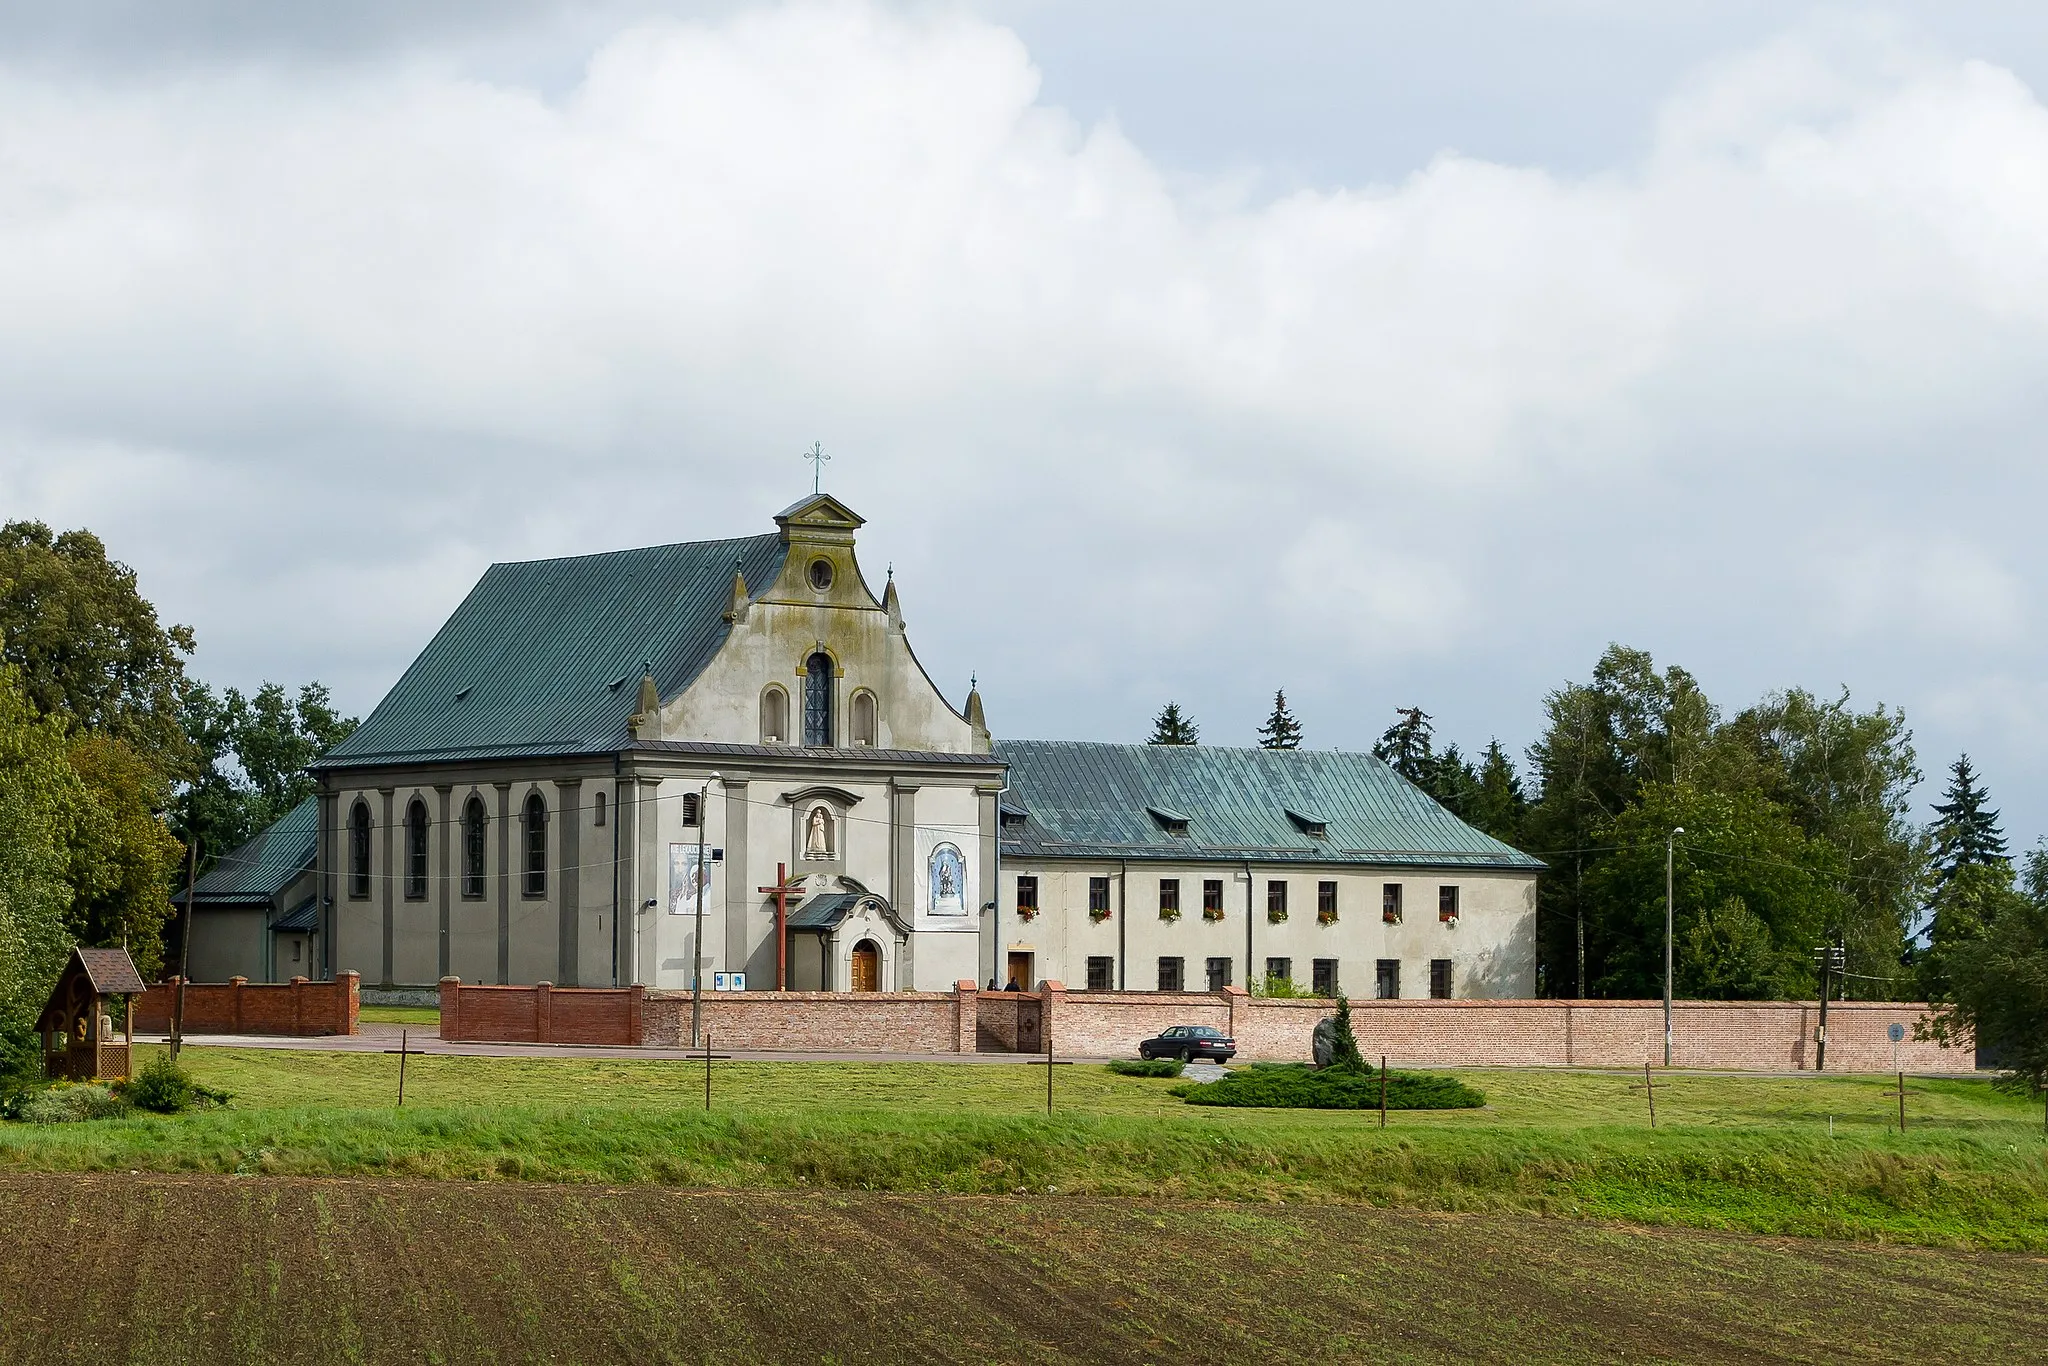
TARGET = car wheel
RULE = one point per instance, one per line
(1187, 1055)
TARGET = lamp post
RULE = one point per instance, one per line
(1670, 851)
(697, 965)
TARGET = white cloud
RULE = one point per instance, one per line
(385, 320)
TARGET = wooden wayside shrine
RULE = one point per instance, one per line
(78, 1036)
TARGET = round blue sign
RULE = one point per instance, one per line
(1895, 1032)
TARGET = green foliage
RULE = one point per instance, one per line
(1278, 988)
(1344, 1054)
(1966, 833)
(257, 751)
(1296, 1086)
(1994, 988)
(162, 1087)
(1968, 909)
(1281, 730)
(1146, 1067)
(89, 646)
(42, 800)
(122, 855)
(65, 1103)
(1170, 727)
(1727, 955)
(1406, 747)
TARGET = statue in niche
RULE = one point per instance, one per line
(818, 834)
(947, 881)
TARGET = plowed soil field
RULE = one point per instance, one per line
(108, 1268)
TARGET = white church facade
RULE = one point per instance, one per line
(598, 755)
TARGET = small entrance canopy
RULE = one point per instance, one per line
(77, 1031)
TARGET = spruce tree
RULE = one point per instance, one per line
(1344, 1055)
(1967, 832)
(1172, 728)
(1406, 747)
(1281, 730)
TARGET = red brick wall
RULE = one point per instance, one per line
(542, 1014)
(819, 1021)
(238, 1006)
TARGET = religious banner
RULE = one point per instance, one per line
(684, 878)
(946, 871)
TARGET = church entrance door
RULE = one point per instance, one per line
(867, 966)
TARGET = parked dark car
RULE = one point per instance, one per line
(1189, 1042)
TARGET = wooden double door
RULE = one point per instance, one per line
(866, 969)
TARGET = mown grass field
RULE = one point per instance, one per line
(216, 1269)
(1750, 1154)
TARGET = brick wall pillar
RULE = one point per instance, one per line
(451, 1007)
(235, 985)
(298, 989)
(350, 1001)
(966, 1014)
(1052, 998)
(1239, 1002)
(634, 1000)
(543, 1008)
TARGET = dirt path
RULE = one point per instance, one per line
(217, 1269)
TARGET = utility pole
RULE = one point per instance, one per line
(1670, 851)
(184, 950)
(1832, 960)
(703, 876)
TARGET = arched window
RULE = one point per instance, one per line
(818, 699)
(536, 883)
(774, 716)
(474, 823)
(864, 718)
(416, 851)
(598, 819)
(359, 850)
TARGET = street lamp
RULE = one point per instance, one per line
(1670, 849)
(697, 967)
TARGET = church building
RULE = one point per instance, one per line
(723, 756)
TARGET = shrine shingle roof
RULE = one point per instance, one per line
(1100, 801)
(545, 656)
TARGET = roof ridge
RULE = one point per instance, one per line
(633, 550)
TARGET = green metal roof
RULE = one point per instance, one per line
(1098, 801)
(822, 912)
(545, 656)
(260, 869)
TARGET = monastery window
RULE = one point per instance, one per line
(597, 811)
(818, 699)
(535, 882)
(1326, 902)
(774, 716)
(1387, 975)
(1439, 979)
(864, 719)
(693, 813)
(1219, 973)
(1212, 898)
(1323, 977)
(1280, 970)
(359, 850)
(1172, 974)
(1447, 903)
(1169, 896)
(1098, 895)
(1276, 901)
(1027, 893)
(1102, 974)
(474, 823)
(416, 851)
(1390, 903)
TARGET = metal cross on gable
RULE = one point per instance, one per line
(816, 455)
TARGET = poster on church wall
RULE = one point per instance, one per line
(684, 876)
(946, 871)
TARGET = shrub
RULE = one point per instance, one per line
(1149, 1067)
(166, 1088)
(66, 1103)
(1297, 1086)
(1344, 1055)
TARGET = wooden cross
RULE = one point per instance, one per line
(708, 1055)
(404, 1050)
(1902, 1091)
(1649, 1088)
(816, 455)
(1048, 1063)
(784, 891)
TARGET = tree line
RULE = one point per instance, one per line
(1796, 835)
(116, 765)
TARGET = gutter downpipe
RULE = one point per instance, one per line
(1123, 878)
(615, 869)
(995, 901)
(1247, 925)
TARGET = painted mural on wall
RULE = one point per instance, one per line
(685, 877)
(945, 872)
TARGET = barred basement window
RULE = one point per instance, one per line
(1388, 987)
(1323, 977)
(1440, 979)
(1170, 973)
(359, 849)
(1280, 970)
(1219, 973)
(473, 824)
(416, 851)
(1102, 974)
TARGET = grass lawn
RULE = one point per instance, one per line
(215, 1269)
(1732, 1152)
(417, 1016)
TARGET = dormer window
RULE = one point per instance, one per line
(1312, 826)
(1171, 821)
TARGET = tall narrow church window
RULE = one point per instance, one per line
(536, 879)
(818, 699)
(416, 851)
(474, 822)
(597, 817)
(774, 716)
(359, 850)
(864, 719)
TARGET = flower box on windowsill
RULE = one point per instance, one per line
(1276, 917)
(1447, 917)
(1168, 915)
(1212, 914)
(1326, 917)
(1027, 912)
(1391, 917)
(1098, 916)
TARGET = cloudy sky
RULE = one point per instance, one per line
(1386, 353)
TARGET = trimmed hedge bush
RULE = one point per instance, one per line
(1296, 1086)
(1149, 1067)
